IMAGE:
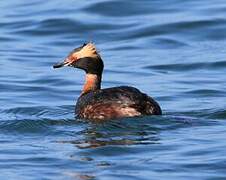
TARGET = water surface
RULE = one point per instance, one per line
(172, 50)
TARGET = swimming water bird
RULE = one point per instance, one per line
(95, 103)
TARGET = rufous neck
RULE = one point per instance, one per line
(92, 83)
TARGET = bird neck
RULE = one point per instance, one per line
(92, 83)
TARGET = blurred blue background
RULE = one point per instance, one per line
(172, 50)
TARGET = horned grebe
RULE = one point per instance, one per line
(95, 103)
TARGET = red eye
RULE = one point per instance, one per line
(72, 58)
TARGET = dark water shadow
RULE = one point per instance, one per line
(133, 131)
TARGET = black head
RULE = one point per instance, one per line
(84, 57)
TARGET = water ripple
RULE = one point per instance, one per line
(196, 66)
(173, 50)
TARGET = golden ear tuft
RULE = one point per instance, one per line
(88, 51)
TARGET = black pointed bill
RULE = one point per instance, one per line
(62, 64)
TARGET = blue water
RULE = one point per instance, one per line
(172, 50)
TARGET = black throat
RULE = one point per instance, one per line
(90, 65)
